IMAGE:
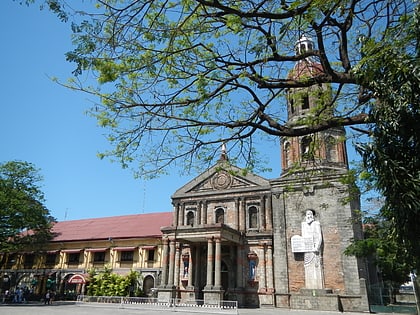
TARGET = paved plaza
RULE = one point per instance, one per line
(60, 308)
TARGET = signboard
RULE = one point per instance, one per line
(302, 244)
(77, 279)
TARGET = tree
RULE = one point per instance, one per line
(379, 245)
(392, 157)
(25, 221)
(176, 79)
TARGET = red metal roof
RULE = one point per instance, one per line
(305, 69)
(126, 226)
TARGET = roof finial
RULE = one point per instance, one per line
(223, 155)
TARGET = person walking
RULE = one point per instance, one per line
(47, 298)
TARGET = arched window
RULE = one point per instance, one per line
(220, 215)
(306, 148)
(190, 218)
(331, 149)
(253, 217)
(310, 46)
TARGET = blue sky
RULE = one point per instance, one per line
(45, 124)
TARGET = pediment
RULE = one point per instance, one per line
(222, 178)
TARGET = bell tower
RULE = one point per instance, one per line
(306, 106)
(314, 210)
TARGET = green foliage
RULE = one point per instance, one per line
(392, 157)
(177, 79)
(25, 221)
(391, 257)
(106, 283)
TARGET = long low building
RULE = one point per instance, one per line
(121, 243)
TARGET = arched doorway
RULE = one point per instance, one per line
(148, 285)
(73, 285)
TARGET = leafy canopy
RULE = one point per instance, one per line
(25, 221)
(392, 259)
(175, 79)
(392, 72)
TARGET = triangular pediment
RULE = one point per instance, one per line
(222, 177)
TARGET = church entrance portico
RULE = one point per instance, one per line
(220, 242)
(198, 262)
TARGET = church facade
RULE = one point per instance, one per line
(279, 242)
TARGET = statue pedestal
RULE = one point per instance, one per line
(166, 293)
(213, 295)
(190, 293)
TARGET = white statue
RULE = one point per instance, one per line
(311, 230)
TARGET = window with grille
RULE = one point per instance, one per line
(99, 257)
(127, 255)
(74, 258)
(51, 259)
(29, 261)
(151, 255)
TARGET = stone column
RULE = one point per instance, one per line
(237, 209)
(190, 268)
(177, 261)
(167, 290)
(240, 266)
(210, 259)
(269, 263)
(218, 264)
(204, 213)
(181, 214)
(164, 279)
(199, 206)
(196, 267)
(280, 255)
(262, 214)
(268, 213)
(175, 214)
(171, 262)
(263, 272)
(242, 215)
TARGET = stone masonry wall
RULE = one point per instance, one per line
(341, 273)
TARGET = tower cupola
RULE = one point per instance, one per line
(303, 45)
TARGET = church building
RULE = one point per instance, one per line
(271, 242)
